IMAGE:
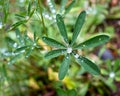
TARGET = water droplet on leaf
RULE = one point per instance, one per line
(69, 50)
(76, 56)
(112, 75)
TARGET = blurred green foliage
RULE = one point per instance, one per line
(23, 69)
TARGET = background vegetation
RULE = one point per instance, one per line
(25, 72)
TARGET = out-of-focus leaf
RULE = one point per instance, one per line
(93, 42)
(61, 27)
(27, 39)
(84, 89)
(29, 8)
(31, 13)
(10, 42)
(18, 15)
(62, 5)
(61, 92)
(14, 59)
(72, 92)
(64, 67)
(51, 4)
(79, 23)
(69, 7)
(19, 37)
(28, 52)
(52, 42)
(116, 65)
(88, 65)
(18, 24)
(55, 53)
(35, 36)
(21, 49)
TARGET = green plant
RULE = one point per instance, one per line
(70, 48)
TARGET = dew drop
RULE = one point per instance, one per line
(76, 56)
(100, 39)
(26, 56)
(32, 48)
(112, 75)
(27, 17)
(83, 45)
(82, 61)
(18, 36)
(15, 45)
(69, 50)
(1, 25)
(67, 57)
(34, 44)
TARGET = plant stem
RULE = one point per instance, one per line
(39, 3)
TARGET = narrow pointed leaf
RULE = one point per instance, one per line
(51, 4)
(31, 13)
(29, 8)
(19, 36)
(93, 42)
(69, 7)
(14, 59)
(61, 26)
(79, 23)
(72, 92)
(15, 25)
(61, 92)
(55, 53)
(27, 39)
(52, 42)
(62, 5)
(21, 49)
(18, 15)
(64, 67)
(88, 65)
(28, 52)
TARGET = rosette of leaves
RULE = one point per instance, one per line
(70, 48)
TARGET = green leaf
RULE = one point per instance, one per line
(19, 36)
(88, 65)
(52, 42)
(18, 15)
(69, 7)
(14, 59)
(28, 52)
(27, 39)
(10, 42)
(72, 92)
(93, 42)
(31, 13)
(79, 23)
(55, 53)
(61, 92)
(64, 67)
(29, 8)
(18, 24)
(21, 49)
(35, 36)
(61, 26)
(62, 5)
